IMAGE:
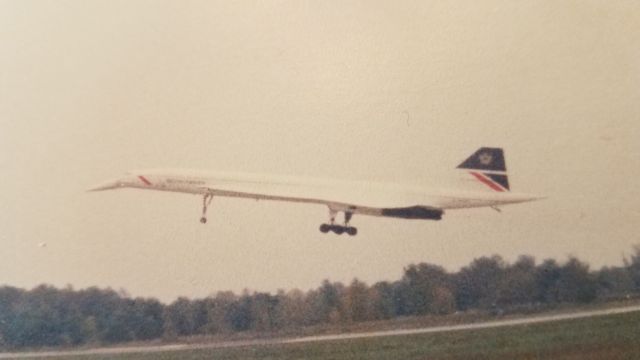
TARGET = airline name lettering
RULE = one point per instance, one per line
(185, 182)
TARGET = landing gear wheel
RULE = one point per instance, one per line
(203, 220)
(325, 228)
(338, 229)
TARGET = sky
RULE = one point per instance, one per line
(363, 90)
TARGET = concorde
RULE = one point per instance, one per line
(485, 173)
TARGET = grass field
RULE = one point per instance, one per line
(606, 337)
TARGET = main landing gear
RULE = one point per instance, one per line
(339, 229)
(206, 201)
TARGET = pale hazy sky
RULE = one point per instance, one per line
(372, 90)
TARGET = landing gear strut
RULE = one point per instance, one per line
(206, 201)
(339, 229)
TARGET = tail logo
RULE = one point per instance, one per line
(485, 158)
(491, 181)
(487, 165)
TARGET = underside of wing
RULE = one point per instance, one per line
(361, 200)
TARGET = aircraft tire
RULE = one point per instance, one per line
(338, 229)
(203, 220)
(324, 228)
(352, 231)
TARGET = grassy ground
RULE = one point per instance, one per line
(606, 337)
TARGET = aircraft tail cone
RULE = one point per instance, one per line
(108, 185)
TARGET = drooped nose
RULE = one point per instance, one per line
(107, 185)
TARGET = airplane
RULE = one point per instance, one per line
(486, 184)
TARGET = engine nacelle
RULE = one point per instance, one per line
(414, 212)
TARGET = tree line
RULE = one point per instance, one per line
(46, 316)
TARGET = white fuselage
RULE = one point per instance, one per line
(368, 198)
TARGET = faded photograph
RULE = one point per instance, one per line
(319, 179)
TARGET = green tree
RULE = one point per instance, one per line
(430, 289)
(547, 278)
(357, 302)
(145, 319)
(264, 312)
(633, 267)
(518, 285)
(614, 282)
(240, 314)
(217, 309)
(295, 309)
(575, 283)
(477, 285)
(383, 304)
(179, 318)
(326, 303)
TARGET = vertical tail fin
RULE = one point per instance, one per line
(487, 165)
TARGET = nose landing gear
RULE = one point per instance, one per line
(206, 201)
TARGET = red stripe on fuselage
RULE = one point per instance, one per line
(144, 180)
(487, 181)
